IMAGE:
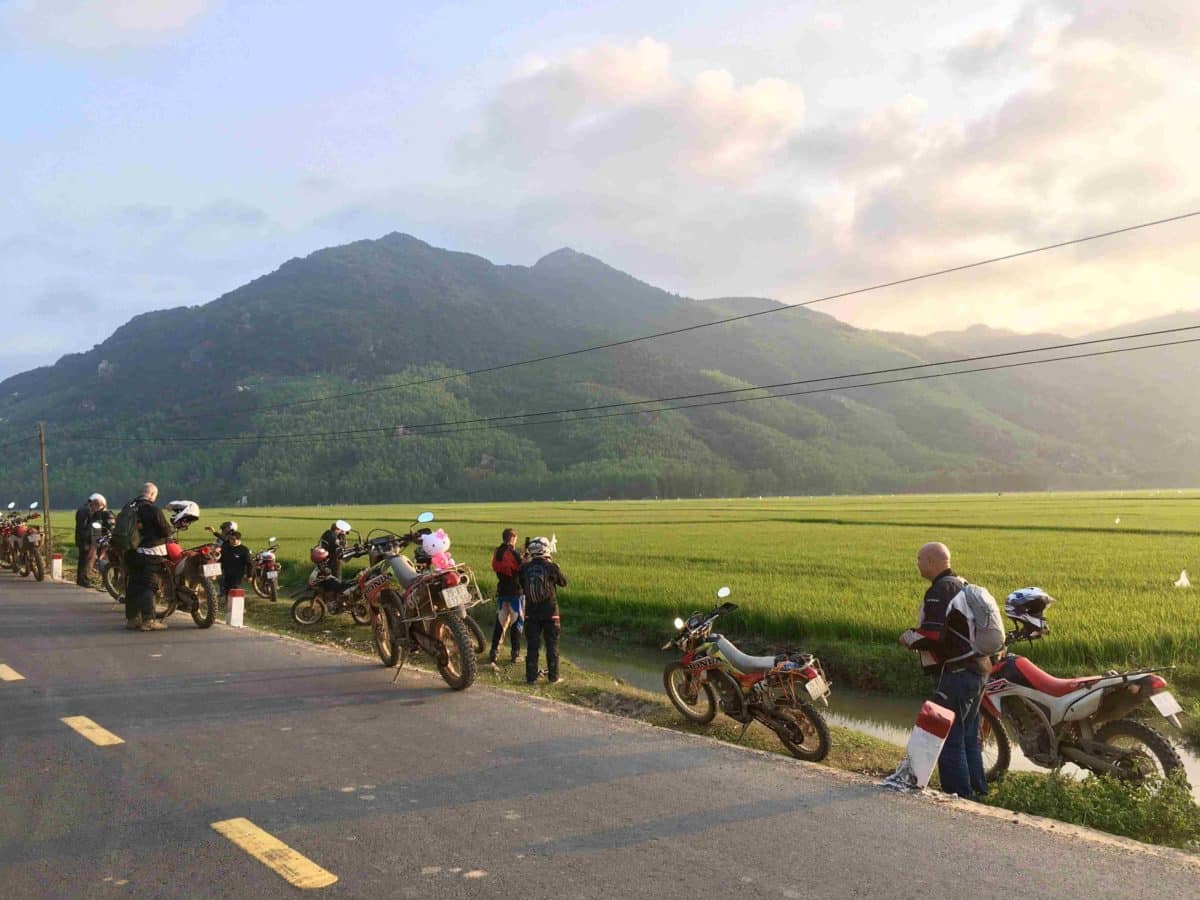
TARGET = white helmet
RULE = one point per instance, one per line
(1028, 606)
(183, 513)
(98, 498)
(542, 546)
(342, 525)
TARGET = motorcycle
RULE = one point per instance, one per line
(323, 594)
(424, 611)
(478, 638)
(187, 578)
(110, 565)
(777, 691)
(26, 543)
(7, 526)
(1084, 721)
(264, 571)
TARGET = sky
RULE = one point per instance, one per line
(159, 154)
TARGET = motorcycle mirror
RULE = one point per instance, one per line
(272, 539)
(343, 525)
(723, 593)
(678, 624)
(424, 517)
(33, 505)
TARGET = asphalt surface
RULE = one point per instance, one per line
(413, 790)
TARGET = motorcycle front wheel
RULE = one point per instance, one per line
(272, 589)
(384, 634)
(803, 731)
(478, 640)
(993, 741)
(308, 610)
(114, 582)
(695, 699)
(259, 584)
(1148, 753)
(39, 572)
(456, 661)
(204, 609)
(22, 566)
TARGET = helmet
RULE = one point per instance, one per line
(98, 498)
(227, 527)
(183, 513)
(174, 552)
(541, 546)
(318, 555)
(341, 525)
(1028, 607)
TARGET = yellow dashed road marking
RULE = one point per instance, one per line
(7, 673)
(297, 870)
(101, 737)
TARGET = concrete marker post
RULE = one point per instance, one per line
(237, 608)
(56, 567)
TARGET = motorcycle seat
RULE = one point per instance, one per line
(743, 662)
(1047, 683)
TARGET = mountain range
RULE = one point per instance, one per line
(155, 399)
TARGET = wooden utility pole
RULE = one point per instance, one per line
(48, 544)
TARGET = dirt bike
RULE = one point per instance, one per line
(264, 571)
(324, 594)
(8, 527)
(777, 691)
(1075, 720)
(424, 611)
(27, 552)
(110, 565)
(478, 638)
(187, 578)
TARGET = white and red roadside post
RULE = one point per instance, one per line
(56, 567)
(928, 737)
(237, 607)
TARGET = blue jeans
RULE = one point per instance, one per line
(960, 765)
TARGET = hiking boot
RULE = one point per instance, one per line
(153, 625)
(133, 624)
(556, 680)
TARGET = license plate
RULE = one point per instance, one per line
(817, 688)
(1166, 704)
(212, 570)
(272, 575)
(456, 596)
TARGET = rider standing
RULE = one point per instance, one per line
(142, 561)
(540, 580)
(958, 674)
(334, 542)
(235, 562)
(510, 603)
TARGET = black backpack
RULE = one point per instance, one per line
(539, 583)
(125, 529)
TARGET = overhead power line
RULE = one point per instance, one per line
(621, 409)
(697, 327)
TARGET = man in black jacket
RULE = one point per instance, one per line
(83, 543)
(144, 561)
(540, 580)
(235, 562)
(958, 674)
(334, 541)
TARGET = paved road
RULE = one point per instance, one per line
(412, 790)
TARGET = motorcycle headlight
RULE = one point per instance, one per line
(678, 624)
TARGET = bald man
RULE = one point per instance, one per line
(144, 561)
(958, 674)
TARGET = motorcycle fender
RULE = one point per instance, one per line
(1119, 701)
(990, 706)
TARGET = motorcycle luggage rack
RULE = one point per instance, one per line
(781, 683)
(424, 600)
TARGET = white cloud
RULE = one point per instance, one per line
(100, 24)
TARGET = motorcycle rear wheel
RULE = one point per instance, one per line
(456, 662)
(384, 636)
(695, 699)
(308, 610)
(204, 609)
(803, 732)
(997, 750)
(1152, 754)
(360, 612)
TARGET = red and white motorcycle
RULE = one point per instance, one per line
(1084, 721)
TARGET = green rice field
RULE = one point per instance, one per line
(835, 575)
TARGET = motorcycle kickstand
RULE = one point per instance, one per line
(742, 733)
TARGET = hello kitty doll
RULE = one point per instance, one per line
(436, 545)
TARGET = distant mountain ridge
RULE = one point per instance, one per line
(396, 310)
